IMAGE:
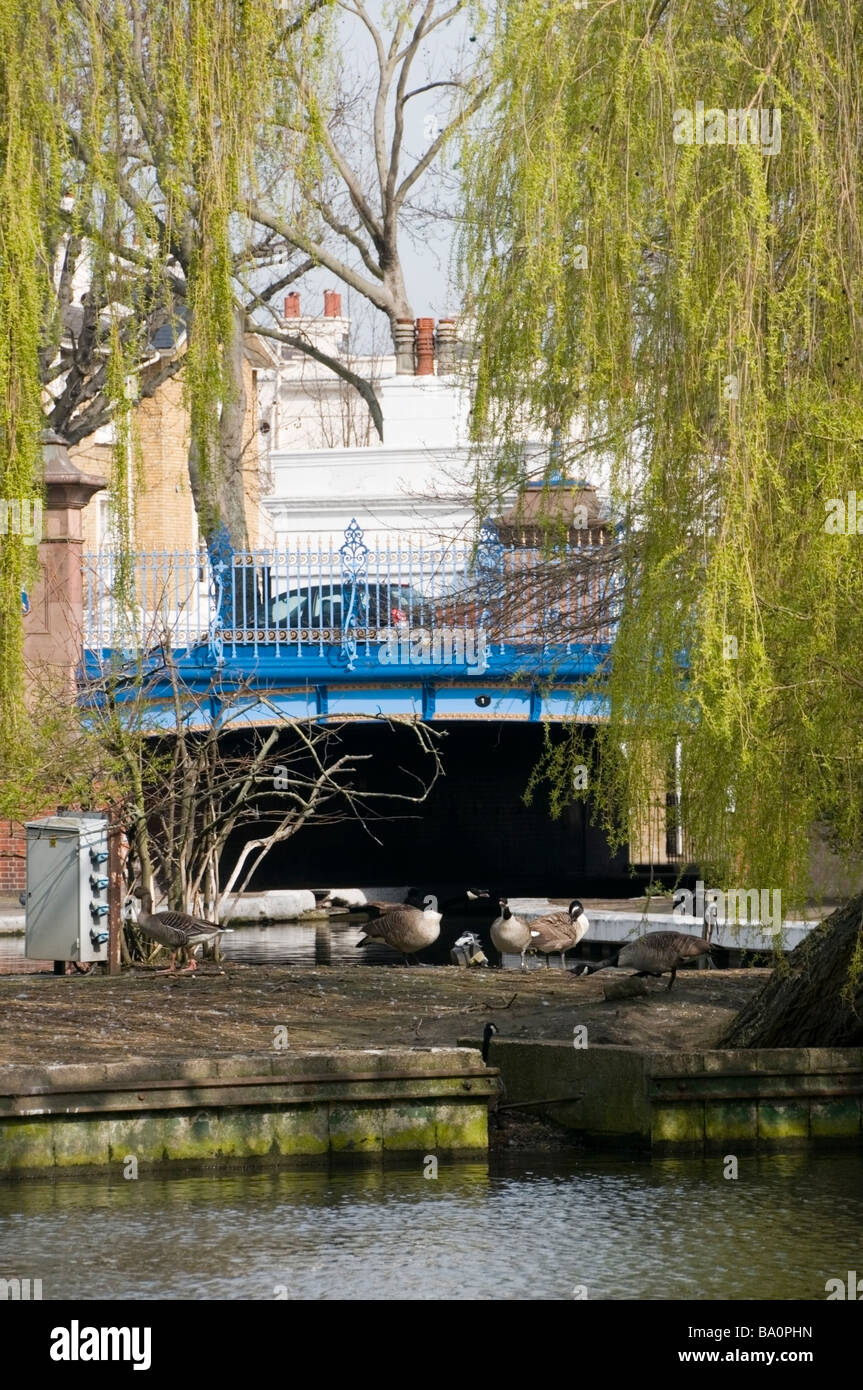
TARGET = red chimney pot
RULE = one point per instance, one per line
(332, 304)
(292, 305)
(425, 347)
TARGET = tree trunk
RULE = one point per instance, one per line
(232, 424)
(220, 497)
(815, 999)
(394, 283)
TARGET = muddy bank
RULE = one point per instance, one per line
(252, 1009)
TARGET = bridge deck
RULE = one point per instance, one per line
(482, 631)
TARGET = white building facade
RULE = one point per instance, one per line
(326, 461)
(323, 461)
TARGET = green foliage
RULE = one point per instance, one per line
(58, 759)
(29, 181)
(194, 80)
(83, 83)
(213, 84)
(711, 349)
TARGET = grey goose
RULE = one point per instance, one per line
(175, 930)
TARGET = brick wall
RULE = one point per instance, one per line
(13, 863)
(164, 509)
(96, 459)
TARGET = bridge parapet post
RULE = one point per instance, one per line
(354, 555)
(54, 621)
(489, 565)
(221, 554)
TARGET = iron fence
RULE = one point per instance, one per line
(302, 598)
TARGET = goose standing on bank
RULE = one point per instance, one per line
(559, 932)
(711, 919)
(656, 953)
(404, 928)
(509, 934)
(379, 907)
(176, 930)
(488, 1033)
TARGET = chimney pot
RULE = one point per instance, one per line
(446, 346)
(332, 304)
(425, 347)
(292, 305)
(403, 337)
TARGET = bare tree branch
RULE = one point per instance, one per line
(322, 256)
(363, 386)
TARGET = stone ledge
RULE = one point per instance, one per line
(19, 1080)
(763, 1098)
(312, 1106)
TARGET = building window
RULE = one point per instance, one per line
(106, 523)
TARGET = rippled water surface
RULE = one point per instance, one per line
(532, 1228)
(331, 942)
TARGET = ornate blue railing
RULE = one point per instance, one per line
(302, 600)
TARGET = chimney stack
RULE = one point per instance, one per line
(446, 344)
(403, 337)
(292, 305)
(425, 347)
(332, 304)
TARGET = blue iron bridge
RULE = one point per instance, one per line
(444, 631)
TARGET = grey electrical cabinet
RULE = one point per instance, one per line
(67, 888)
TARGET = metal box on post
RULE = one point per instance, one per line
(67, 888)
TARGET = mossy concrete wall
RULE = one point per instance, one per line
(689, 1101)
(239, 1111)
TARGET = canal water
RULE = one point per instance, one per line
(531, 1227)
(282, 943)
(332, 942)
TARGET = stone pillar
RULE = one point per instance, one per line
(404, 344)
(53, 627)
(425, 347)
(446, 345)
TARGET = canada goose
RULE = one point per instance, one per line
(711, 919)
(378, 907)
(404, 928)
(176, 930)
(509, 934)
(488, 1033)
(656, 953)
(559, 932)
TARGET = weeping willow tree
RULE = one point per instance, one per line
(29, 183)
(129, 135)
(180, 101)
(663, 237)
